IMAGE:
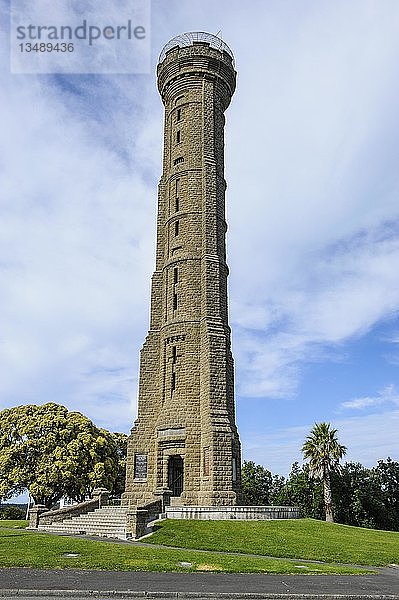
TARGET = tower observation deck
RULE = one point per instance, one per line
(185, 439)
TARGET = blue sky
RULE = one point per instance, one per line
(312, 151)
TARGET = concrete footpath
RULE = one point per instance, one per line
(71, 584)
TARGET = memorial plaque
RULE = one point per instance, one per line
(140, 466)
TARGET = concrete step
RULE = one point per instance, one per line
(96, 518)
(62, 527)
(109, 521)
(105, 509)
(101, 531)
(86, 529)
(76, 523)
(103, 515)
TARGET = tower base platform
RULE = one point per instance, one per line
(243, 513)
(92, 518)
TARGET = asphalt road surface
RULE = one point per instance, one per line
(71, 583)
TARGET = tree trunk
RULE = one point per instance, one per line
(328, 498)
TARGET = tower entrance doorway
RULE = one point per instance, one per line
(175, 475)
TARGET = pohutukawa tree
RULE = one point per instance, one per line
(324, 452)
(53, 453)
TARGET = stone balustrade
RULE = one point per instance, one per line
(40, 515)
(232, 512)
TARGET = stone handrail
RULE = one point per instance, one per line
(41, 515)
(138, 518)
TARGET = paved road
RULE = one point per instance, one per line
(194, 585)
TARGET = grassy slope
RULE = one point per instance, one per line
(303, 538)
(20, 548)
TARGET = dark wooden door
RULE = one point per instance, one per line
(175, 475)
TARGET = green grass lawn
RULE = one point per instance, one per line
(294, 538)
(9, 524)
(20, 548)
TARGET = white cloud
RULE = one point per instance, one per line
(388, 395)
(361, 402)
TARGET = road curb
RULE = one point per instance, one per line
(23, 593)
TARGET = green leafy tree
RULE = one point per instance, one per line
(121, 447)
(387, 475)
(367, 497)
(324, 452)
(304, 491)
(259, 486)
(277, 485)
(11, 512)
(256, 484)
(53, 452)
(357, 496)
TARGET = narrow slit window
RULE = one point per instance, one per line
(178, 114)
(234, 469)
(178, 136)
(177, 205)
(206, 462)
(175, 275)
(177, 226)
(174, 355)
(177, 187)
(173, 382)
(174, 301)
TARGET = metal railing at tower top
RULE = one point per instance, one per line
(188, 39)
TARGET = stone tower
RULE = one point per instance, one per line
(185, 438)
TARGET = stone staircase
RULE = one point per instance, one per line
(108, 521)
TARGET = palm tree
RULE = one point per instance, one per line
(324, 452)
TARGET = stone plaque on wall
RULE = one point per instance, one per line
(140, 466)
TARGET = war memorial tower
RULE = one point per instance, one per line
(184, 449)
(185, 438)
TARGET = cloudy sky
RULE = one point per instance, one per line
(312, 152)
